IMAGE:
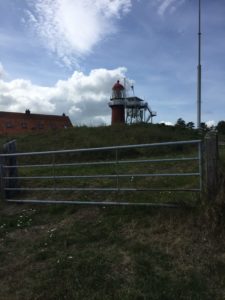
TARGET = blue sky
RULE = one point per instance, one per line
(64, 55)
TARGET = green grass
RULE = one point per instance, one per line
(108, 253)
(84, 137)
(59, 252)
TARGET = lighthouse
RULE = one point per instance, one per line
(117, 103)
(128, 110)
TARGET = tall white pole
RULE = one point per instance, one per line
(199, 87)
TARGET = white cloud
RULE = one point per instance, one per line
(19, 94)
(167, 123)
(71, 28)
(167, 6)
(83, 97)
(2, 71)
(210, 123)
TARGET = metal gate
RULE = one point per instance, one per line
(118, 175)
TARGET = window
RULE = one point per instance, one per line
(9, 125)
(52, 126)
(40, 125)
(24, 125)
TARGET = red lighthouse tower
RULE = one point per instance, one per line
(117, 103)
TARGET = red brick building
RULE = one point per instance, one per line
(15, 123)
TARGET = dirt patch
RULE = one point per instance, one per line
(87, 213)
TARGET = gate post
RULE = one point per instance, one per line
(2, 185)
(11, 162)
(211, 165)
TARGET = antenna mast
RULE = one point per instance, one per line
(199, 87)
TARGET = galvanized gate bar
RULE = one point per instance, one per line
(106, 189)
(168, 205)
(106, 162)
(103, 148)
(104, 176)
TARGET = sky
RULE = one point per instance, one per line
(63, 56)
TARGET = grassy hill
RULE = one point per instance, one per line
(71, 252)
(81, 137)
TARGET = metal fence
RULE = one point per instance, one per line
(77, 176)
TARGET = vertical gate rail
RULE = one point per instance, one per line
(9, 166)
(211, 158)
